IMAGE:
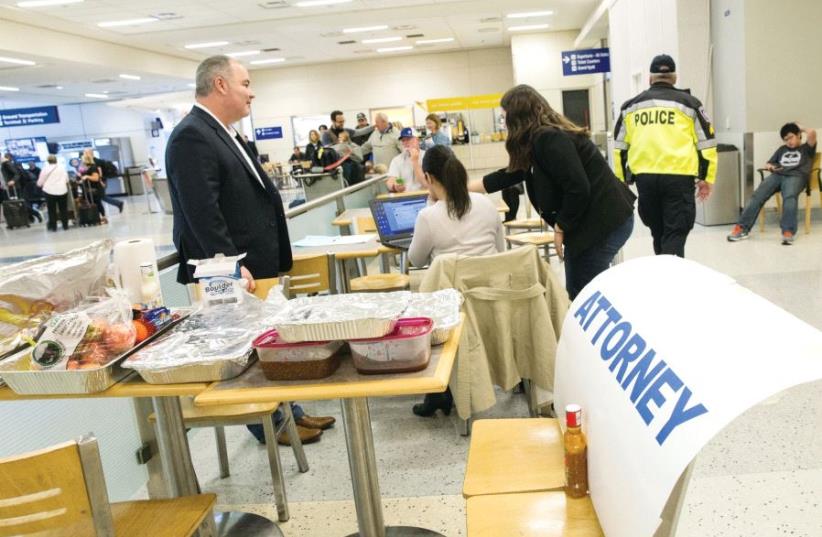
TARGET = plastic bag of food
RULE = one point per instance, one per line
(89, 336)
(32, 291)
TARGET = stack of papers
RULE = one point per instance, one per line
(333, 240)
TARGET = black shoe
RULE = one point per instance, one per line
(121, 207)
(433, 402)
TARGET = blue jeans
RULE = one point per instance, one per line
(585, 266)
(257, 429)
(789, 185)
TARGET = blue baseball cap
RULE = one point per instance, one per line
(407, 132)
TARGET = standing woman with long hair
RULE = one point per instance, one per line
(568, 181)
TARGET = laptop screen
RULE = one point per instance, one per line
(397, 216)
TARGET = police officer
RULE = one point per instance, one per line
(664, 141)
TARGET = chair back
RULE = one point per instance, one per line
(57, 488)
(312, 274)
(265, 285)
(815, 177)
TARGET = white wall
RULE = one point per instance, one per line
(782, 63)
(638, 31)
(729, 65)
(363, 85)
(537, 62)
(84, 121)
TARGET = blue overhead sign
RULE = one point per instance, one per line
(586, 61)
(268, 133)
(22, 117)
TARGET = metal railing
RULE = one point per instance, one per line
(173, 258)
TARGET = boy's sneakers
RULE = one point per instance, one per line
(787, 238)
(738, 233)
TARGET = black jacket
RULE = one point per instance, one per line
(571, 184)
(219, 205)
(312, 153)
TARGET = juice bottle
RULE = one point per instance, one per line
(576, 454)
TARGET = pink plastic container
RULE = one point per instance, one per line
(296, 361)
(407, 348)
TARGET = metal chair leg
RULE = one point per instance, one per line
(296, 443)
(464, 426)
(276, 469)
(531, 394)
(222, 452)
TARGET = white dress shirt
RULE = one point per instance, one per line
(233, 135)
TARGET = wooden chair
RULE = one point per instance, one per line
(534, 514)
(540, 239)
(814, 183)
(311, 274)
(61, 492)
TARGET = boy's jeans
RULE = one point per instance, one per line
(789, 185)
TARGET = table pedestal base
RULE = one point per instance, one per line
(405, 531)
(238, 524)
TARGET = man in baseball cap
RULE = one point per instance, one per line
(405, 171)
(663, 64)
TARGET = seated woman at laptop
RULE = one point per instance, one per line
(458, 221)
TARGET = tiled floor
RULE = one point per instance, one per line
(760, 477)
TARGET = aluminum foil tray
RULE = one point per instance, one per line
(341, 317)
(70, 382)
(443, 307)
(213, 344)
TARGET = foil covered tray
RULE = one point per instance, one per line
(443, 307)
(71, 382)
(213, 344)
(341, 317)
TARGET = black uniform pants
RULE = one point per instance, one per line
(58, 210)
(667, 205)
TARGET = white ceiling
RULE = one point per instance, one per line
(302, 35)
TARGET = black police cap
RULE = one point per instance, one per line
(663, 64)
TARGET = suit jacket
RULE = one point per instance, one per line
(219, 205)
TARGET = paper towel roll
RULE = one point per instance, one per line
(128, 256)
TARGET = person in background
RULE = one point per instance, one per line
(9, 173)
(323, 129)
(312, 150)
(252, 145)
(435, 134)
(352, 167)
(19, 183)
(384, 143)
(54, 182)
(88, 155)
(297, 155)
(664, 141)
(362, 124)
(331, 136)
(789, 167)
(459, 222)
(568, 181)
(223, 200)
(91, 182)
(405, 172)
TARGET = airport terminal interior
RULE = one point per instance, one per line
(115, 78)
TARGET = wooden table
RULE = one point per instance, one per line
(343, 253)
(514, 455)
(353, 389)
(534, 514)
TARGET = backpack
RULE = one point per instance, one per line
(328, 157)
(109, 169)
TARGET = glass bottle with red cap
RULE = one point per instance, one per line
(576, 454)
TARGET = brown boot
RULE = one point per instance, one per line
(316, 422)
(307, 436)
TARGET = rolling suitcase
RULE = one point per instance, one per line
(15, 211)
(87, 212)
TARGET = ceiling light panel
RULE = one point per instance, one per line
(365, 29)
(46, 3)
(381, 40)
(434, 41)
(129, 77)
(97, 95)
(527, 27)
(268, 61)
(525, 15)
(318, 3)
(16, 61)
(8, 88)
(210, 44)
(394, 49)
(127, 22)
(243, 53)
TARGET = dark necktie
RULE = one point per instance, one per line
(269, 187)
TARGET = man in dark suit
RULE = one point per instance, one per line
(223, 201)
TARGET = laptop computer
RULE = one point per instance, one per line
(395, 218)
